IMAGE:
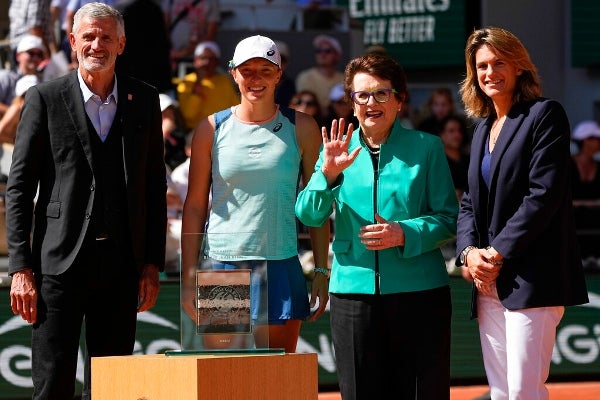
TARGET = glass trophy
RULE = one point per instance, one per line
(224, 294)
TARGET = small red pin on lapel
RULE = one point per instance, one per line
(129, 96)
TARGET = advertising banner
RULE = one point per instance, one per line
(577, 350)
(418, 33)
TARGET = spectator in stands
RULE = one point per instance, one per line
(145, 28)
(180, 174)
(177, 183)
(58, 16)
(439, 105)
(306, 101)
(31, 17)
(286, 88)
(406, 112)
(29, 55)
(585, 178)
(10, 119)
(453, 134)
(173, 130)
(189, 22)
(207, 89)
(321, 78)
(586, 165)
(339, 107)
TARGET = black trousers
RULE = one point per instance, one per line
(392, 346)
(100, 291)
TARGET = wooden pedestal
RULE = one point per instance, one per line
(206, 377)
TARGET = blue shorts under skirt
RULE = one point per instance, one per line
(287, 291)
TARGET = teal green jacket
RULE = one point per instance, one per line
(414, 188)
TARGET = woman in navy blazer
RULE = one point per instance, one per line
(516, 236)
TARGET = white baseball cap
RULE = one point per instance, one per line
(330, 40)
(586, 129)
(255, 47)
(212, 46)
(24, 83)
(29, 42)
(166, 101)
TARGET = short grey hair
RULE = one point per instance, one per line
(97, 11)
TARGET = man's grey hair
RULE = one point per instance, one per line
(98, 11)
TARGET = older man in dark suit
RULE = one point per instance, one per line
(90, 145)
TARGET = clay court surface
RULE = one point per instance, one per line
(558, 391)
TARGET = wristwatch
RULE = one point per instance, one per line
(324, 271)
(464, 253)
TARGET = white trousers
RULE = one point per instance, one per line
(517, 348)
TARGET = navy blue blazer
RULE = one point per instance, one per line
(53, 148)
(527, 214)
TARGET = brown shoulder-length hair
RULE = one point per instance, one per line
(508, 47)
(379, 65)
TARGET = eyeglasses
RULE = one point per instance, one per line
(33, 53)
(380, 96)
(307, 103)
(325, 50)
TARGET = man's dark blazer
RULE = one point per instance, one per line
(53, 148)
(527, 214)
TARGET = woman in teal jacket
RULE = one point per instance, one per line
(395, 206)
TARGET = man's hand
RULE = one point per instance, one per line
(23, 295)
(149, 287)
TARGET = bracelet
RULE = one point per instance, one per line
(324, 271)
(495, 262)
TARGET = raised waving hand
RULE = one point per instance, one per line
(335, 149)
